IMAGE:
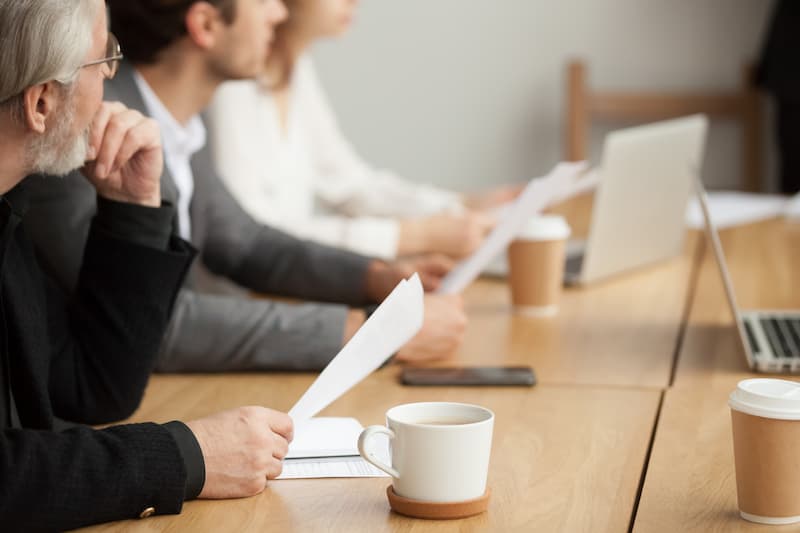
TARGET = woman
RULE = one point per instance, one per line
(280, 151)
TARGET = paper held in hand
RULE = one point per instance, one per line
(392, 324)
(560, 184)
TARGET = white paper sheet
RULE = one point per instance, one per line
(392, 324)
(327, 447)
(325, 436)
(540, 193)
(730, 208)
(329, 467)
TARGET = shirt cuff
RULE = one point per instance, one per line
(142, 225)
(192, 457)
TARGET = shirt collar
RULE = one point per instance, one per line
(178, 140)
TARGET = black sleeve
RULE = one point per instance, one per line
(145, 226)
(105, 344)
(56, 481)
(192, 457)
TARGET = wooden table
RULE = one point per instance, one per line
(564, 458)
(690, 483)
(619, 332)
(568, 454)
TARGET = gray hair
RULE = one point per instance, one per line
(40, 41)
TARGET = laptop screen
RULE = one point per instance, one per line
(719, 256)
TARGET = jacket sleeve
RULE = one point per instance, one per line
(53, 481)
(213, 333)
(105, 344)
(265, 259)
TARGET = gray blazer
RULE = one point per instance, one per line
(210, 332)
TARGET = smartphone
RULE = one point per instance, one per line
(478, 375)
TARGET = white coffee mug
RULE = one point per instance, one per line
(440, 450)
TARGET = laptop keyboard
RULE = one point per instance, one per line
(782, 333)
(574, 264)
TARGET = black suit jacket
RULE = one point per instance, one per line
(779, 68)
(85, 357)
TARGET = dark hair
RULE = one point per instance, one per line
(146, 27)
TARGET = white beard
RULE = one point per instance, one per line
(55, 153)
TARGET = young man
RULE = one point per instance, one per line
(86, 355)
(179, 53)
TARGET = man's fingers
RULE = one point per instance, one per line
(116, 130)
(98, 126)
(281, 424)
(280, 447)
(142, 136)
(274, 469)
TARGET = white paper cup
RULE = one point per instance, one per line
(765, 415)
(536, 265)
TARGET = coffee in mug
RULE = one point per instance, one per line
(439, 450)
(765, 415)
(536, 265)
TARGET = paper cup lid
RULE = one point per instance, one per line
(545, 228)
(767, 398)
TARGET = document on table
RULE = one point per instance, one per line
(392, 324)
(731, 208)
(329, 467)
(557, 186)
(327, 447)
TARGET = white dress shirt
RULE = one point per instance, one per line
(180, 144)
(308, 180)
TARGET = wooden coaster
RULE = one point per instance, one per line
(437, 511)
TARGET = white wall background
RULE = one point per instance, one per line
(465, 93)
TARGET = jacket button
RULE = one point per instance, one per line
(150, 511)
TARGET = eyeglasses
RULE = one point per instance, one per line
(112, 58)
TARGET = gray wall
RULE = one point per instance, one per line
(465, 93)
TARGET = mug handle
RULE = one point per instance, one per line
(368, 433)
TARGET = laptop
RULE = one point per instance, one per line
(770, 339)
(639, 209)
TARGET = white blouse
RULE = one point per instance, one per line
(308, 180)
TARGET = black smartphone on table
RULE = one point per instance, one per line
(470, 376)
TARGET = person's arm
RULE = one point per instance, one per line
(105, 335)
(57, 481)
(216, 333)
(115, 318)
(52, 481)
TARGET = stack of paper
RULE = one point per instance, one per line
(327, 447)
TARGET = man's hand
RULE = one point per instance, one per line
(442, 332)
(125, 156)
(242, 448)
(456, 235)
(382, 277)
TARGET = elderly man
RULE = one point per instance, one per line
(85, 356)
(180, 52)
